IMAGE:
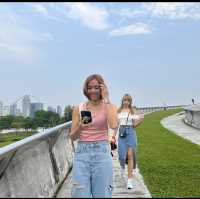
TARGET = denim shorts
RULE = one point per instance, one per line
(92, 172)
(124, 143)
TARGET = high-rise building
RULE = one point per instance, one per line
(26, 103)
(13, 109)
(6, 110)
(35, 107)
(59, 110)
(18, 112)
(1, 108)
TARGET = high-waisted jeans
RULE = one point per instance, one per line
(92, 173)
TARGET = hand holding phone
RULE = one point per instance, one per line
(86, 117)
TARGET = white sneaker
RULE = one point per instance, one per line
(123, 173)
(130, 183)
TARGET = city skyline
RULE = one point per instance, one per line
(149, 50)
(26, 107)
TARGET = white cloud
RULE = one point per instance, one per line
(133, 29)
(44, 10)
(86, 13)
(90, 15)
(129, 12)
(41, 9)
(173, 10)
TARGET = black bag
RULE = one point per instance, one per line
(122, 131)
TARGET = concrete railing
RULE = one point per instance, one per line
(192, 116)
(36, 166)
(158, 108)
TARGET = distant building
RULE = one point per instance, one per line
(49, 108)
(26, 103)
(18, 112)
(6, 110)
(59, 110)
(13, 109)
(35, 107)
(1, 108)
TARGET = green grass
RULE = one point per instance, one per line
(6, 139)
(2, 144)
(170, 165)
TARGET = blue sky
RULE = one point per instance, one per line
(149, 50)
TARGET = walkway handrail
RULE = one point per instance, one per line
(4, 151)
(42, 160)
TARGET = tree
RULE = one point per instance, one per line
(6, 121)
(68, 113)
(17, 125)
(53, 118)
(30, 123)
(46, 118)
(40, 118)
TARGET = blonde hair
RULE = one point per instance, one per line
(127, 96)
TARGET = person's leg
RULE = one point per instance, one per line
(132, 142)
(102, 173)
(130, 162)
(122, 151)
(81, 186)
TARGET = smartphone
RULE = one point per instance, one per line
(86, 117)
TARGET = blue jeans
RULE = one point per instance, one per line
(92, 173)
(124, 143)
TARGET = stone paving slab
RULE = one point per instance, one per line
(176, 124)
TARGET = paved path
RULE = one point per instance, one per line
(120, 190)
(175, 124)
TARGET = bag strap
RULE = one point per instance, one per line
(127, 118)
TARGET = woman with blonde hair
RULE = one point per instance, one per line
(127, 139)
(92, 174)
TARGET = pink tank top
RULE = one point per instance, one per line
(99, 129)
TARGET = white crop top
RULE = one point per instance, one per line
(123, 118)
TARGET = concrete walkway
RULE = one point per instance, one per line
(120, 190)
(175, 124)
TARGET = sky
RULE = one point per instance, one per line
(149, 50)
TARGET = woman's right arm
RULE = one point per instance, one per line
(76, 127)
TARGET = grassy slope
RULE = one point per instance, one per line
(169, 164)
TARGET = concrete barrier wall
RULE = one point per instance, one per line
(36, 166)
(158, 108)
(192, 116)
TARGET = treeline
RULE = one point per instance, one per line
(44, 119)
